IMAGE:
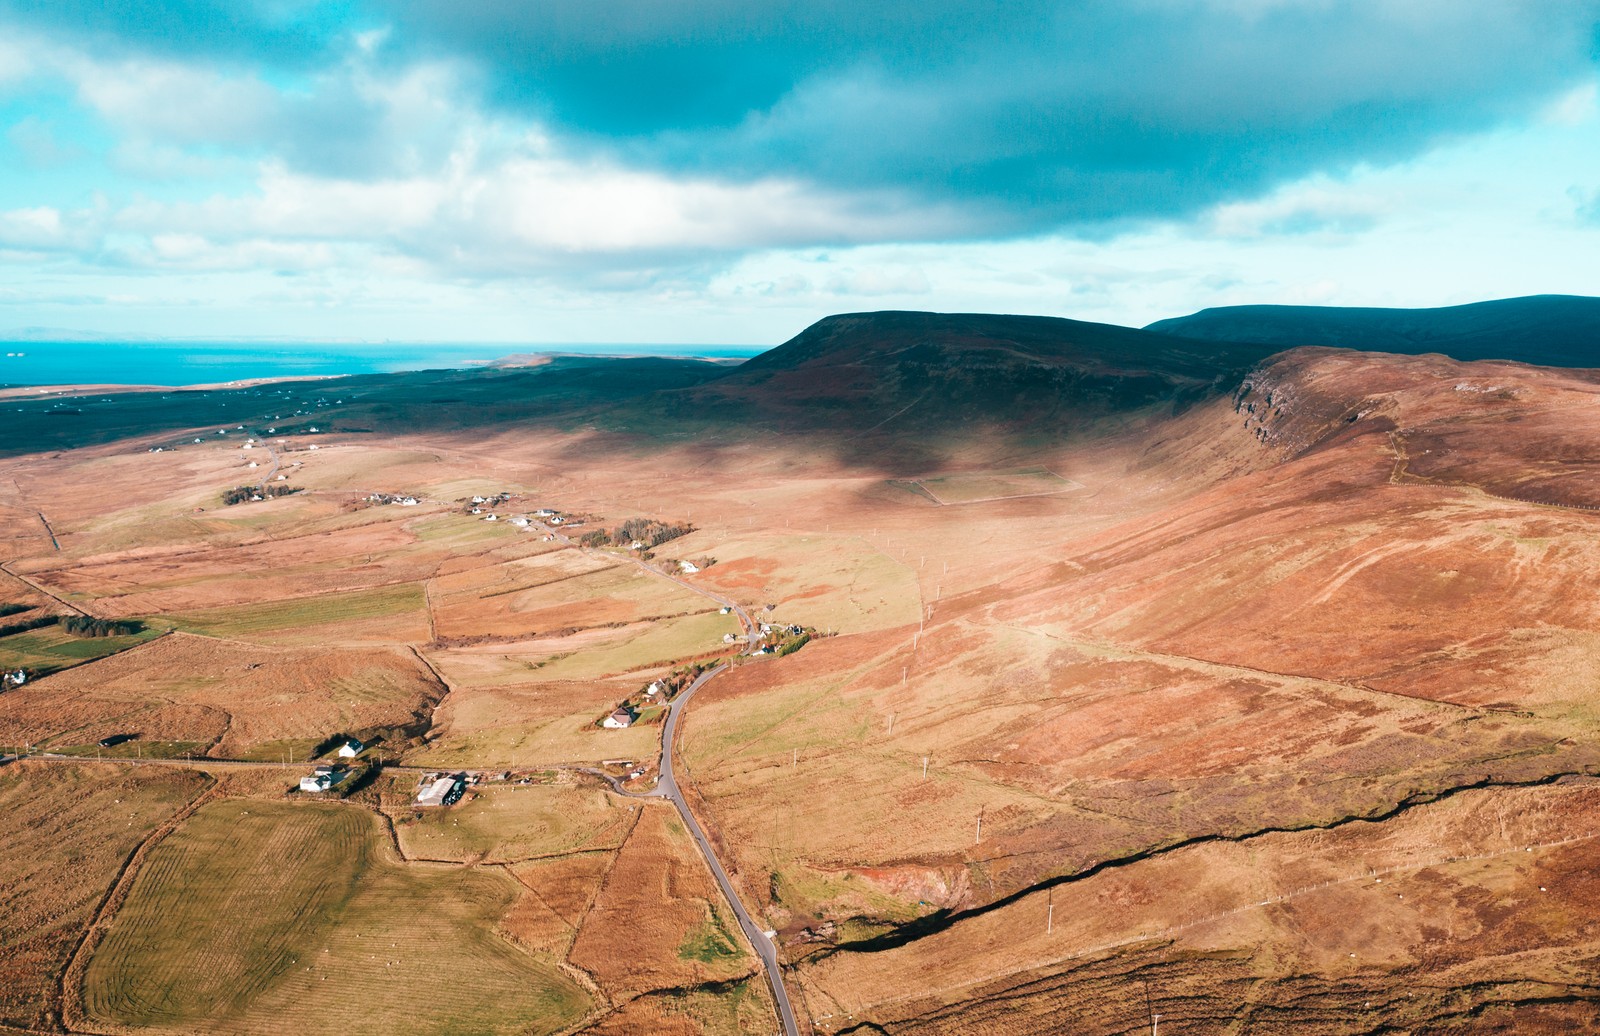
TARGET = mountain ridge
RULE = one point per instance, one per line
(1543, 330)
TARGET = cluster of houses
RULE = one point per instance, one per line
(392, 498)
(628, 712)
(326, 775)
(482, 507)
(323, 777)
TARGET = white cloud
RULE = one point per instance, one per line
(43, 229)
(1317, 206)
(173, 101)
(1576, 107)
(878, 281)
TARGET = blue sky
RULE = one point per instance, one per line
(720, 171)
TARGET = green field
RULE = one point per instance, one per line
(509, 823)
(303, 613)
(658, 644)
(135, 749)
(52, 649)
(339, 935)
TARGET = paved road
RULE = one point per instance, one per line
(667, 787)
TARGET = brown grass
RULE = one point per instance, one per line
(69, 830)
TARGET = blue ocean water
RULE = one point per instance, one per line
(196, 363)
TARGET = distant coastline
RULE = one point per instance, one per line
(46, 362)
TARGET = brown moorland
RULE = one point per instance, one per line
(1298, 625)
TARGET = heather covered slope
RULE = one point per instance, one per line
(1369, 596)
(1546, 330)
(1272, 687)
(896, 373)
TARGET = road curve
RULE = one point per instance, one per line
(667, 787)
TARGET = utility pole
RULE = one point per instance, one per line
(891, 723)
(1050, 911)
(903, 671)
(924, 767)
(979, 838)
(794, 758)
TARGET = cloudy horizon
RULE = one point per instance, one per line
(717, 173)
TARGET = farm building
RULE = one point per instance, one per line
(442, 791)
(351, 748)
(688, 568)
(623, 717)
(14, 679)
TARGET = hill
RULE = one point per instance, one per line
(1545, 330)
(921, 374)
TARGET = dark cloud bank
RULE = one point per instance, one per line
(1025, 114)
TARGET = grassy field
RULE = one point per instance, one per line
(654, 645)
(660, 922)
(1000, 485)
(52, 649)
(509, 823)
(730, 1009)
(245, 699)
(68, 830)
(399, 608)
(341, 936)
(839, 582)
(532, 724)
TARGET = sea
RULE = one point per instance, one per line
(201, 363)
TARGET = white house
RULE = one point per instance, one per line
(316, 782)
(619, 719)
(14, 679)
(688, 568)
(408, 501)
(351, 748)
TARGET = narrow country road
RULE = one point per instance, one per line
(667, 788)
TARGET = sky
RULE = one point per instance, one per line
(530, 171)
